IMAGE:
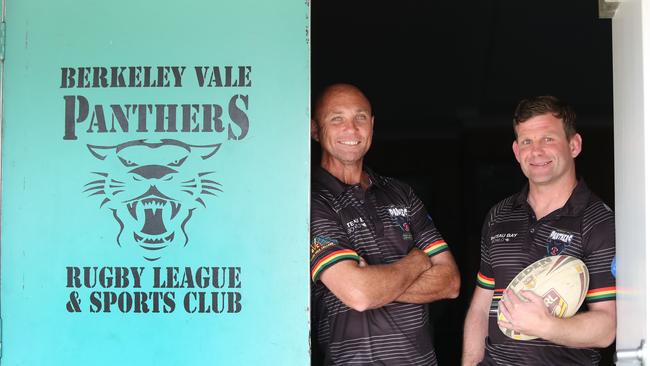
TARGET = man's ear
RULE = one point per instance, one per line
(515, 149)
(314, 130)
(575, 145)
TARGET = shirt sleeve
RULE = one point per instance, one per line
(485, 275)
(600, 249)
(329, 241)
(425, 235)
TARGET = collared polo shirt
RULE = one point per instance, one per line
(381, 224)
(514, 238)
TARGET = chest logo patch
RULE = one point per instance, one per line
(354, 225)
(557, 242)
(400, 216)
(502, 237)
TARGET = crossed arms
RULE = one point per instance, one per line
(415, 278)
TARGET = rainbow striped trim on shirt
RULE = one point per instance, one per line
(332, 258)
(603, 293)
(484, 281)
(435, 247)
(498, 294)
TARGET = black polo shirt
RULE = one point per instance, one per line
(381, 224)
(513, 238)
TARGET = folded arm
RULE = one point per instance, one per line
(441, 281)
(363, 287)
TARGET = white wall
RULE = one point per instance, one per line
(631, 62)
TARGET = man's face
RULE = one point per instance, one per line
(343, 127)
(544, 152)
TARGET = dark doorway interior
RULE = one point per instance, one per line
(444, 78)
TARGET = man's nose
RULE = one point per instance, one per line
(536, 146)
(350, 125)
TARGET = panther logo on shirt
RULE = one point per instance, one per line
(557, 242)
(400, 216)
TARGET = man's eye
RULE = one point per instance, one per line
(362, 117)
(337, 119)
(548, 139)
(525, 142)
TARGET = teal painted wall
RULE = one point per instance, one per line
(122, 187)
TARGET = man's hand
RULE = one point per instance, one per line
(422, 260)
(528, 315)
(595, 327)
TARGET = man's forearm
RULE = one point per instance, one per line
(363, 287)
(441, 281)
(593, 328)
(526, 313)
(476, 327)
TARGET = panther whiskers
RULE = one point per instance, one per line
(159, 199)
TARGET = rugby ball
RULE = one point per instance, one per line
(561, 280)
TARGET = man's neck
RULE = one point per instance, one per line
(546, 198)
(347, 173)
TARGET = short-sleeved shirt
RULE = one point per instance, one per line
(513, 238)
(381, 224)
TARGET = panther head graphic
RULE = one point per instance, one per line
(153, 188)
